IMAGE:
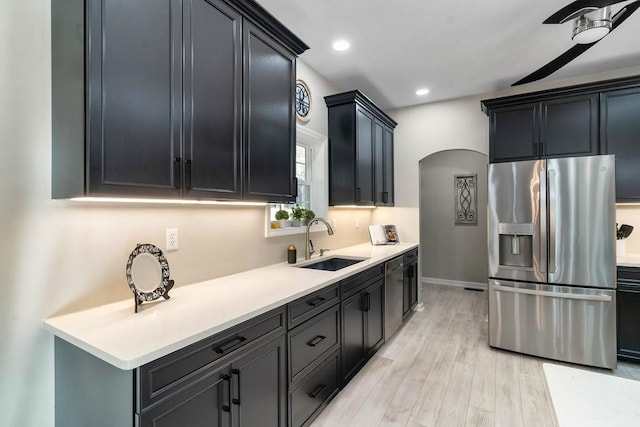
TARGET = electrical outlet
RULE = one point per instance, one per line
(172, 239)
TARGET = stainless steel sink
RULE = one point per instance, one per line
(332, 264)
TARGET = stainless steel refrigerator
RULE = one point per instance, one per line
(552, 268)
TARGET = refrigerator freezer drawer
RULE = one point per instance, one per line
(564, 323)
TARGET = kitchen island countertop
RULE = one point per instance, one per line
(115, 334)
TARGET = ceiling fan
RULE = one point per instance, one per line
(592, 21)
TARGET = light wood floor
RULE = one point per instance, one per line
(438, 370)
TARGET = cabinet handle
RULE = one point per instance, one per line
(316, 341)
(316, 301)
(358, 194)
(227, 380)
(176, 172)
(187, 174)
(229, 345)
(411, 267)
(316, 392)
(295, 188)
(366, 302)
(385, 197)
(236, 400)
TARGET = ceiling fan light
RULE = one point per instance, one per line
(591, 27)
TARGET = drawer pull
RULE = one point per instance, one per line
(316, 301)
(316, 392)
(230, 345)
(315, 341)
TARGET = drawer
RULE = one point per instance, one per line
(361, 280)
(305, 308)
(629, 274)
(314, 392)
(165, 376)
(411, 256)
(311, 340)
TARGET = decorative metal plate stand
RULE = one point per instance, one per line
(164, 284)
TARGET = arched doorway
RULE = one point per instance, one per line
(452, 254)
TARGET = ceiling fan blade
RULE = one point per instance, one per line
(556, 64)
(578, 49)
(578, 8)
(623, 14)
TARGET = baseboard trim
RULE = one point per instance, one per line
(456, 283)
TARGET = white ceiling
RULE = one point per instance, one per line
(453, 47)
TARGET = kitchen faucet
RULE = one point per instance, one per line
(308, 251)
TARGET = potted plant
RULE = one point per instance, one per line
(297, 214)
(282, 216)
(307, 216)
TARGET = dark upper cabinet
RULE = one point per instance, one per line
(360, 151)
(514, 133)
(212, 88)
(562, 127)
(620, 135)
(183, 98)
(628, 303)
(269, 83)
(588, 119)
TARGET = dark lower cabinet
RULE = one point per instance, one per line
(410, 282)
(363, 328)
(259, 386)
(620, 135)
(248, 391)
(628, 306)
(206, 403)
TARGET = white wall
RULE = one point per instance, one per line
(58, 256)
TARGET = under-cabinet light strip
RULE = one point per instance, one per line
(164, 201)
(352, 207)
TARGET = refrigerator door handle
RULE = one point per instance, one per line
(543, 221)
(602, 298)
(552, 220)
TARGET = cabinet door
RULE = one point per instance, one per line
(375, 317)
(406, 291)
(514, 134)
(353, 344)
(620, 135)
(364, 157)
(383, 164)
(212, 94)
(259, 391)
(134, 97)
(628, 320)
(206, 404)
(413, 285)
(269, 84)
(569, 126)
(388, 196)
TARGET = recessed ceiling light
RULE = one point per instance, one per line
(341, 45)
(422, 92)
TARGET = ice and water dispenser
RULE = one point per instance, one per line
(516, 245)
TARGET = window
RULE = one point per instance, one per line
(311, 171)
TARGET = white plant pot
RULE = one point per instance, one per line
(282, 223)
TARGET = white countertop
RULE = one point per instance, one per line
(591, 399)
(628, 260)
(126, 340)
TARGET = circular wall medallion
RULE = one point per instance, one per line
(148, 273)
(303, 101)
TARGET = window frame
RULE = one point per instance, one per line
(319, 200)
